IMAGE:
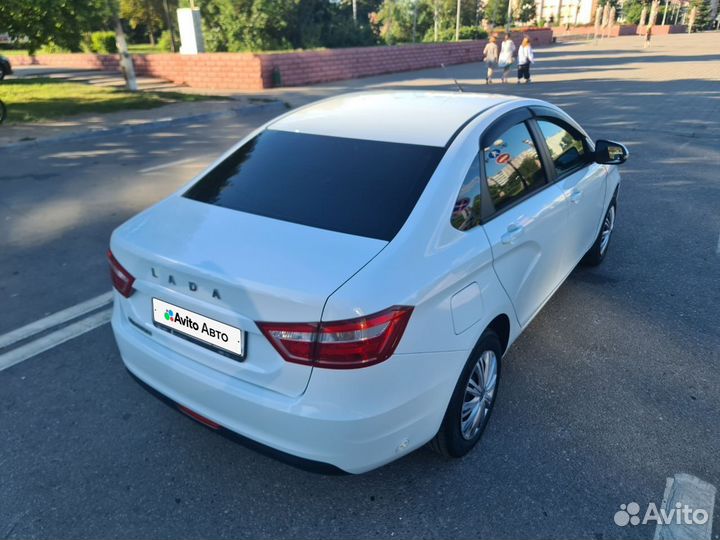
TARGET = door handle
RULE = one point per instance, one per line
(575, 196)
(513, 233)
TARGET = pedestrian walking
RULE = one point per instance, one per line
(507, 56)
(648, 35)
(490, 57)
(525, 58)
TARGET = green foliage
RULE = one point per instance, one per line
(165, 41)
(240, 25)
(52, 48)
(61, 22)
(631, 11)
(100, 42)
(525, 12)
(395, 19)
(496, 12)
(448, 34)
(702, 14)
(145, 15)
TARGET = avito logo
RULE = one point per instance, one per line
(169, 315)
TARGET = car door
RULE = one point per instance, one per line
(528, 218)
(581, 180)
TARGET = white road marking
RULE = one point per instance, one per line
(685, 489)
(55, 319)
(53, 339)
(166, 165)
(717, 250)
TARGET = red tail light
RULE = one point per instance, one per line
(121, 278)
(346, 344)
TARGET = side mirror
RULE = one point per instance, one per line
(610, 153)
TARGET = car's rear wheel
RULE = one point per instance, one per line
(472, 401)
(596, 254)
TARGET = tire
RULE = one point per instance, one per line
(452, 440)
(2, 74)
(596, 254)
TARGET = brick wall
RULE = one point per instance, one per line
(311, 67)
(620, 30)
(662, 30)
(254, 71)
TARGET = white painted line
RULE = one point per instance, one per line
(680, 490)
(55, 319)
(717, 250)
(166, 165)
(54, 339)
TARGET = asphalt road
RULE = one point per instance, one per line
(613, 387)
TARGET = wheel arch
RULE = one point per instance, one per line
(501, 326)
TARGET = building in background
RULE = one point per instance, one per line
(562, 12)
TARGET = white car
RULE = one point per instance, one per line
(340, 287)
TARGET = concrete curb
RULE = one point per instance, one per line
(167, 122)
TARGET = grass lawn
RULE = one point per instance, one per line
(13, 52)
(144, 48)
(35, 99)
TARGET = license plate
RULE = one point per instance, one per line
(199, 328)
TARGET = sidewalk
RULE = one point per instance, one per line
(685, 66)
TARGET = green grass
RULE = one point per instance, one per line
(36, 99)
(144, 48)
(13, 52)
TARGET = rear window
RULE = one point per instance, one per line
(359, 187)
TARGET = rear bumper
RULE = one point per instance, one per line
(353, 420)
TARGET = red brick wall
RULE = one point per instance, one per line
(659, 30)
(253, 72)
(77, 61)
(309, 67)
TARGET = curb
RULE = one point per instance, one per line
(146, 126)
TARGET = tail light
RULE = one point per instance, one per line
(346, 344)
(121, 278)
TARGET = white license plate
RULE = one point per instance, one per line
(198, 327)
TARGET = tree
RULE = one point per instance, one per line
(631, 11)
(496, 12)
(61, 22)
(702, 14)
(147, 13)
(526, 11)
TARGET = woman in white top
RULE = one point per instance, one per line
(507, 56)
(525, 58)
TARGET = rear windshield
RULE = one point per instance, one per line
(365, 188)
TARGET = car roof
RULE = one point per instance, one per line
(428, 118)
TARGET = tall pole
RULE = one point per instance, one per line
(354, 9)
(435, 20)
(457, 21)
(126, 65)
(665, 14)
(509, 17)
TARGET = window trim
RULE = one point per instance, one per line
(517, 116)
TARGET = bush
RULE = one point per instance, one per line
(165, 41)
(448, 34)
(52, 48)
(103, 42)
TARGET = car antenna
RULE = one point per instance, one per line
(460, 88)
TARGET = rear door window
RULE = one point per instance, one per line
(360, 187)
(512, 166)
